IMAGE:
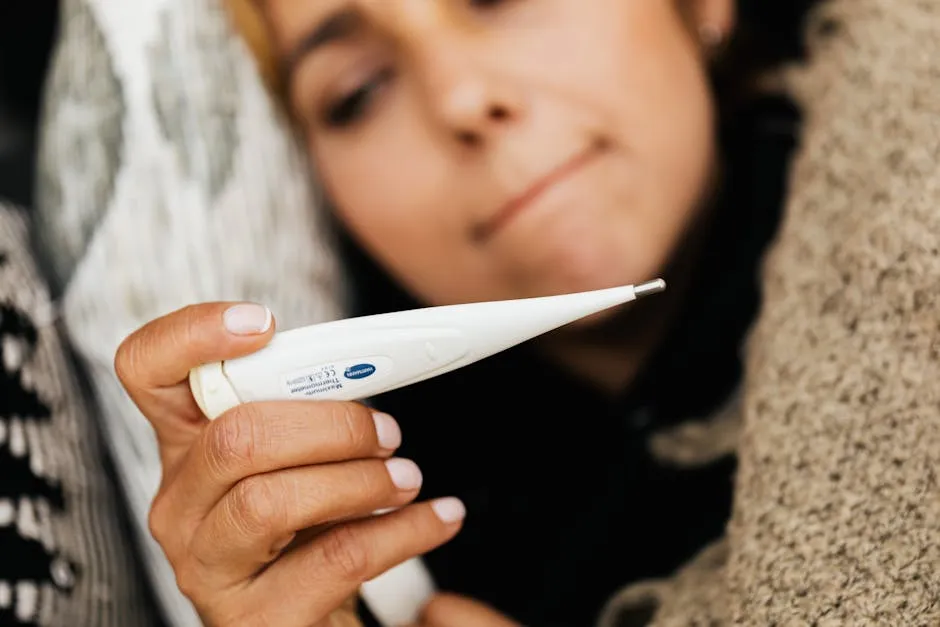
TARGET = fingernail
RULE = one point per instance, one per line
(449, 510)
(387, 431)
(247, 319)
(405, 474)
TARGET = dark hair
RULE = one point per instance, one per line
(27, 31)
(773, 30)
(27, 35)
(770, 33)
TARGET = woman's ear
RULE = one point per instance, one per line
(713, 21)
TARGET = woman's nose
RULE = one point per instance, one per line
(463, 83)
(469, 97)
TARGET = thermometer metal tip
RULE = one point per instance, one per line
(649, 288)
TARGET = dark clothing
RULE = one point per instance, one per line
(565, 502)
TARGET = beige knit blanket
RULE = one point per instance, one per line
(837, 515)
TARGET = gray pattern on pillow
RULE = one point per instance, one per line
(178, 115)
(84, 102)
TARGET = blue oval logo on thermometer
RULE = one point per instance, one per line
(359, 371)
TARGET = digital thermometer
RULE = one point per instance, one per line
(356, 358)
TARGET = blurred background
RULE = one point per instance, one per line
(27, 30)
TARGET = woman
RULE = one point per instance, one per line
(480, 151)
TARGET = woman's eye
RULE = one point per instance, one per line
(485, 4)
(352, 107)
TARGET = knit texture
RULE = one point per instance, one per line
(66, 559)
(837, 501)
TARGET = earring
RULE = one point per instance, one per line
(710, 35)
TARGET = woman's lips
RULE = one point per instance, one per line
(517, 205)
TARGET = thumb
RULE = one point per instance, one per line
(153, 363)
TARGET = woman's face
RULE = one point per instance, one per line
(486, 149)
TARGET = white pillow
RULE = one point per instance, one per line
(168, 176)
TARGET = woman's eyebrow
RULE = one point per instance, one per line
(342, 24)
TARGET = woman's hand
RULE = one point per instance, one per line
(237, 492)
(449, 610)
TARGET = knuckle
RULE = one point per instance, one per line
(134, 356)
(371, 478)
(352, 427)
(343, 552)
(197, 327)
(190, 318)
(128, 361)
(182, 328)
(157, 520)
(189, 581)
(234, 439)
(421, 525)
(190, 314)
(256, 508)
(248, 617)
(121, 365)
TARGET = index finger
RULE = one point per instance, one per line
(153, 363)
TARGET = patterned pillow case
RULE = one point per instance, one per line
(66, 559)
(168, 176)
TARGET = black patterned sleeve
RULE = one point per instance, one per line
(65, 558)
